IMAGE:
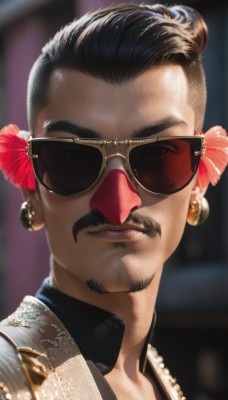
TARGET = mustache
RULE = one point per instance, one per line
(94, 219)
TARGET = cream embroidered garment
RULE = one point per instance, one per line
(39, 360)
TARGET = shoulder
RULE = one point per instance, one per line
(23, 362)
(167, 382)
(12, 378)
(38, 357)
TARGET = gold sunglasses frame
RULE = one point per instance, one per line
(101, 145)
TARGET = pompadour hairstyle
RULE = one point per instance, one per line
(118, 43)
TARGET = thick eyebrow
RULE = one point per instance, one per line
(69, 127)
(158, 127)
(86, 133)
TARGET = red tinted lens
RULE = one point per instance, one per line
(165, 166)
(66, 168)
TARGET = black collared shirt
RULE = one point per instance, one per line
(98, 333)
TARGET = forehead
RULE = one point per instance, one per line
(113, 108)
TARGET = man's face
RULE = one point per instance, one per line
(124, 257)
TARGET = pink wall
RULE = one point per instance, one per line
(27, 253)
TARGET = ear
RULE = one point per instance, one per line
(197, 193)
(33, 198)
(198, 210)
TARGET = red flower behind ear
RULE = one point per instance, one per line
(14, 161)
(17, 167)
(215, 159)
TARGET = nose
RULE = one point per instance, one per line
(115, 197)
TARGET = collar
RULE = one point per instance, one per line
(98, 333)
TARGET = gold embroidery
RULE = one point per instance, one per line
(61, 340)
(4, 392)
(64, 364)
(35, 372)
(167, 381)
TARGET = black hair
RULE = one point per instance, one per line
(118, 43)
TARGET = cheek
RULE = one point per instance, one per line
(60, 214)
(176, 211)
(171, 213)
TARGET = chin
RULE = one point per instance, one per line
(134, 286)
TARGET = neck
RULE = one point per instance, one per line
(136, 309)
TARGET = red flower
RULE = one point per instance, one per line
(17, 167)
(215, 158)
(14, 161)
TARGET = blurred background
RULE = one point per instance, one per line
(192, 307)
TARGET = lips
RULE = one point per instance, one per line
(123, 233)
(136, 224)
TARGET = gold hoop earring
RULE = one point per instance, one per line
(27, 217)
(198, 211)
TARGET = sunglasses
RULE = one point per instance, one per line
(71, 166)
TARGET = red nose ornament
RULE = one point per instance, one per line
(115, 197)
